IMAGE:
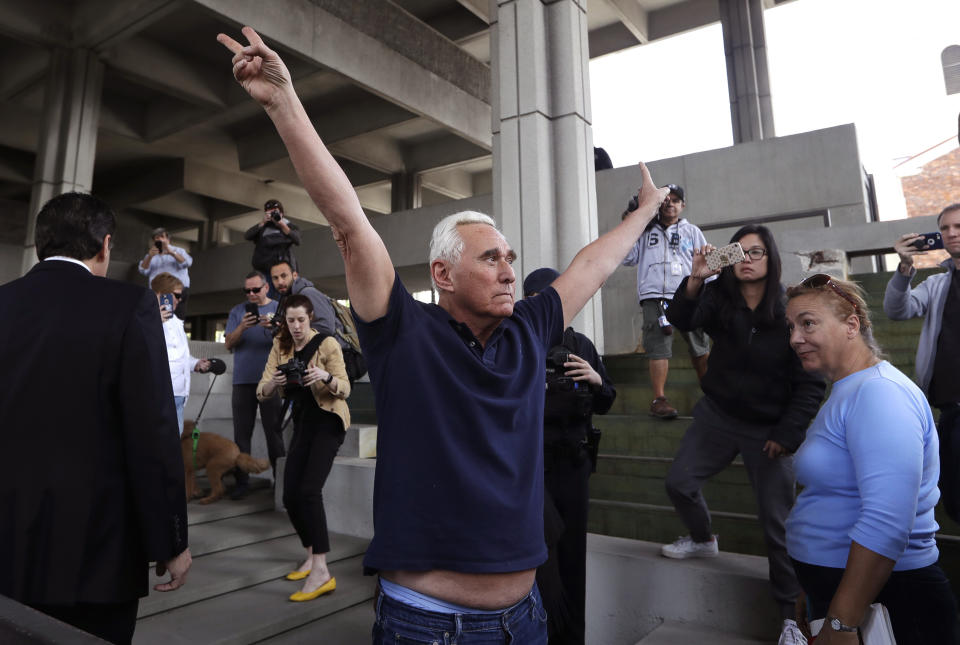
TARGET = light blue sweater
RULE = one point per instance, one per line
(869, 467)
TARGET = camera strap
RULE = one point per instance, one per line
(304, 355)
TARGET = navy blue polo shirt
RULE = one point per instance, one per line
(459, 481)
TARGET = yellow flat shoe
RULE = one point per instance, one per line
(298, 575)
(326, 587)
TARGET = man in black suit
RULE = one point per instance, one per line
(91, 488)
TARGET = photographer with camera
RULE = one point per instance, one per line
(577, 388)
(937, 301)
(663, 256)
(163, 257)
(757, 402)
(308, 369)
(272, 238)
(249, 336)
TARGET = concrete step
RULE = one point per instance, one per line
(246, 566)
(360, 441)
(632, 590)
(635, 396)
(255, 613)
(641, 480)
(232, 532)
(352, 625)
(259, 500)
(659, 523)
(672, 632)
(640, 434)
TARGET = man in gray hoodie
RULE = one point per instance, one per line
(938, 352)
(288, 282)
(664, 256)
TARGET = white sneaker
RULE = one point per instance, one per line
(791, 634)
(686, 548)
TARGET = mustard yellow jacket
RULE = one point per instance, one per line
(329, 357)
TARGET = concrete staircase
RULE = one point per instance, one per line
(236, 593)
(241, 550)
(627, 494)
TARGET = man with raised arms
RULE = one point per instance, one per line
(458, 494)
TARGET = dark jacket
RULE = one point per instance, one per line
(560, 427)
(271, 246)
(91, 488)
(753, 375)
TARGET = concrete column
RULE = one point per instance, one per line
(544, 190)
(68, 134)
(748, 78)
(405, 191)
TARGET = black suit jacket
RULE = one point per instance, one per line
(91, 477)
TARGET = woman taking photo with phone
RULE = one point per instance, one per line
(757, 403)
(316, 383)
(863, 528)
(169, 291)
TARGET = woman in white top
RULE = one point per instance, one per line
(178, 351)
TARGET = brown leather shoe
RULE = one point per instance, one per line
(660, 408)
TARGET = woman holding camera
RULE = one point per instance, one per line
(863, 528)
(310, 372)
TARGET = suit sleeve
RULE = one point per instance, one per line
(150, 438)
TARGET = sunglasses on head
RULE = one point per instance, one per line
(819, 280)
(254, 290)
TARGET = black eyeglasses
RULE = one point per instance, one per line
(819, 280)
(255, 289)
(755, 253)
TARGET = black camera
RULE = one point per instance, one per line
(294, 370)
(276, 216)
(159, 245)
(557, 381)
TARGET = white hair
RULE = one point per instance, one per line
(446, 243)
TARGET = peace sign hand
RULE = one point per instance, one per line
(257, 68)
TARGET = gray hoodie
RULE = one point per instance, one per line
(900, 302)
(324, 317)
(662, 265)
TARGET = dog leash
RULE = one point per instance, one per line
(218, 367)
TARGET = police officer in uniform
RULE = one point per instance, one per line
(577, 387)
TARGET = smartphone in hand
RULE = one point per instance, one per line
(253, 309)
(166, 301)
(725, 256)
(929, 242)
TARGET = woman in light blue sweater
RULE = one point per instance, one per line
(862, 530)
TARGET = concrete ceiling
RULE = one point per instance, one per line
(394, 88)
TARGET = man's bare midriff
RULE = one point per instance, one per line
(491, 591)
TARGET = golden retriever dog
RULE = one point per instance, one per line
(219, 456)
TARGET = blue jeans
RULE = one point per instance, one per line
(179, 401)
(525, 623)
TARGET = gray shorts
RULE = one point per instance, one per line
(656, 344)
